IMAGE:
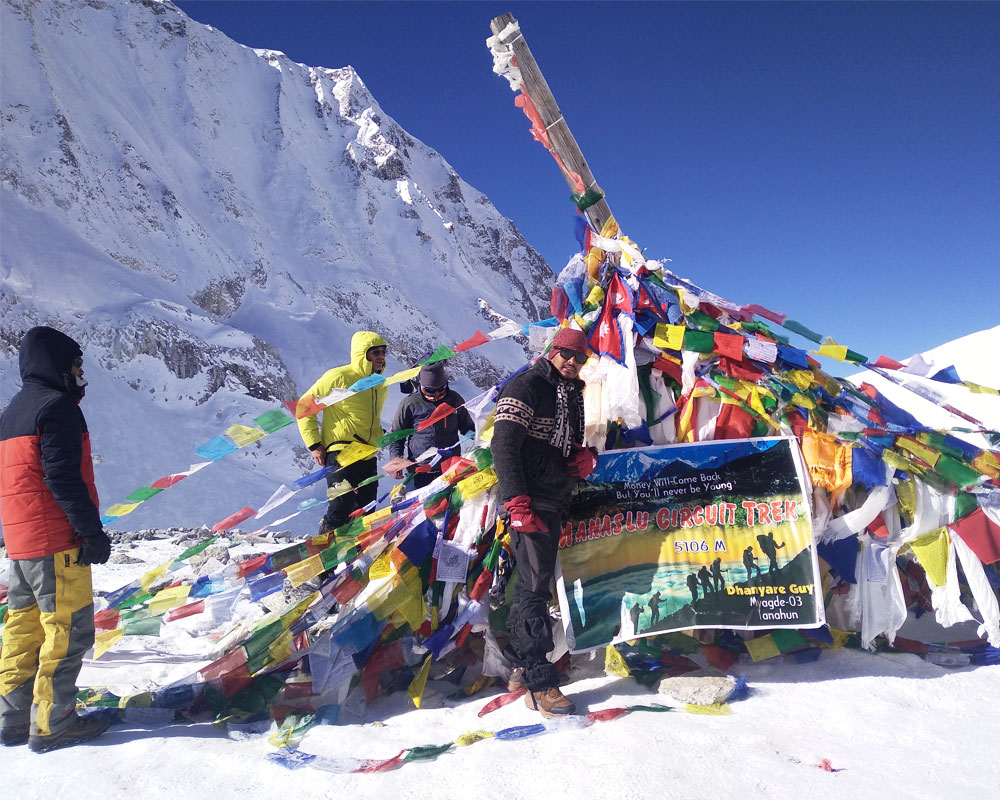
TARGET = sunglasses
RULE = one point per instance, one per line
(434, 389)
(377, 351)
(78, 362)
(571, 355)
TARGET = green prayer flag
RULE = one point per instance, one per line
(703, 320)
(142, 494)
(956, 472)
(699, 341)
(149, 626)
(271, 421)
(787, 639)
(394, 436)
(653, 707)
(428, 751)
(855, 358)
(193, 551)
(802, 330)
(965, 504)
(443, 353)
(366, 481)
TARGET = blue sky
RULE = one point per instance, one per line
(838, 162)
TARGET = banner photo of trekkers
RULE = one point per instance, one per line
(706, 535)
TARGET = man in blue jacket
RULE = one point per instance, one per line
(442, 435)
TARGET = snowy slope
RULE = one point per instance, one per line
(212, 223)
(975, 360)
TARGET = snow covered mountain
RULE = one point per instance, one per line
(212, 223)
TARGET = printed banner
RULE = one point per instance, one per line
(706, 535)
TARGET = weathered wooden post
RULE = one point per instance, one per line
(561, 142)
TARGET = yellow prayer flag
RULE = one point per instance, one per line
(800, 378)
(836, 351)
(476, 483)
(291, 615)
(168, 598)
(716, 709)
(338, 489)
(355, 451)
(104, 641)
(669, 337)
(977, 389)
(304, 570)
(614, 664)
(381, 567)
(281, 648)
(243, 435)
(762, 648)
(987, 463)
(402, 375)
(471, 737)
(921, 451)
(799, 399)
(595, 297)
(377, 516)
(416, 688)
(895, 460)
(486, 434)
(153, 575)
(121, 509)
(932, 551)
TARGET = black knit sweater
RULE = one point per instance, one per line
(525, 462)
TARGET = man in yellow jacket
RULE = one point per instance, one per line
(356, 419)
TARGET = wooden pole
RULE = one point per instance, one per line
(561, 138)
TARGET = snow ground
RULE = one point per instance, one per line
(895, 725)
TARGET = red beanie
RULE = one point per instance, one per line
(569, 338)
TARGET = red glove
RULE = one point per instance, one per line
(582, 461)
(522, 518)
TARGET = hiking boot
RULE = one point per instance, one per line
(81, 729)
(550, 703)
(12, 735)
(515, 682)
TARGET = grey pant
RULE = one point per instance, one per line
(50, 626)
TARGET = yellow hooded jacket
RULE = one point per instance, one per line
(358, 417)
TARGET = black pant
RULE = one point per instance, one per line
(341, 507)
(528, 624)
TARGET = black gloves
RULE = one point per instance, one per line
(96, 549)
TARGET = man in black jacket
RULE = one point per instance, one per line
(538, 455)
(53, 533)
(442, 435)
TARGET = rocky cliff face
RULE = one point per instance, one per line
(212, 222)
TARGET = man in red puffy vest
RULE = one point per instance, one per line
(53, 533)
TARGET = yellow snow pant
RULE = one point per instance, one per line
(50, 626)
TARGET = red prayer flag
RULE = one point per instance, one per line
(106, 620)
(184, 611)
(766, 313)
(475, 341)
(347, 591)
(500, 702)
(887, 363)
(981, 534)
(167, 482)
(729, 345)
(439, 413)
(303, 407)
(383, 766)
(251, 565)
(607, 714)
(733, 423)
(234, 519)
(221, 666)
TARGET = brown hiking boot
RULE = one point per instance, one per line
(81, 729)
(550, 703)
(515, 682)
(12, 735)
